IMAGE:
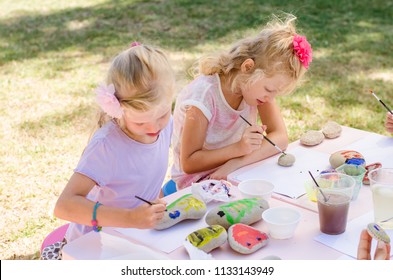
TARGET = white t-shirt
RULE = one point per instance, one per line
(225, 125)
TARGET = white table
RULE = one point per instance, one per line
(349, 138)
(301, 246)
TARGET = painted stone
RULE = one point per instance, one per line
(369, 168)
(246, 211)
(378, 233)
(331, 130)
(346, 156)
(208, 238)
(312, 138)
(186, 207)
(286, 160)
(209, 190)
(245, 239)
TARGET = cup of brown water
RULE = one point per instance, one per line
(333, 202)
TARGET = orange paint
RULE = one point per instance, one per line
(247, 236)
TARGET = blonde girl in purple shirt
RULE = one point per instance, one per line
(128, 153)
(210, 140)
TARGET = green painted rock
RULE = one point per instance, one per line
(246, 211)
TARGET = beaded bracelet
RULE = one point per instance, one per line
(94, 221)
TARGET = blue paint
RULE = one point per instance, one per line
(174, 215)
(328, 171)
(356, 161)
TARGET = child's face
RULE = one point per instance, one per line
(145, 127)
(265, 89)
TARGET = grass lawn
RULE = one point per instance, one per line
(54, 53)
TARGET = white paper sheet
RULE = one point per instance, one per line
(347, 242)
(103, 246)
(289, 181)
(169, 239)
(374, 148)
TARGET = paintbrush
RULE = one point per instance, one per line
(270, 141)
(145, 200)
(319, 188)
(384, 105)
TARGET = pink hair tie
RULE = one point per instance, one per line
(302, 49)
(134, 44)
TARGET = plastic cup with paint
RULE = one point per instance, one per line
(312, 189)
(355, 171)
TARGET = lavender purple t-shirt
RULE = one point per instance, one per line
(122, 168)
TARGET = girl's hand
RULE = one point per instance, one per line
(251, 139)
(147, 216)
(160, 201)
(382, 252)
(389, 123)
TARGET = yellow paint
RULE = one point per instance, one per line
(203, 236)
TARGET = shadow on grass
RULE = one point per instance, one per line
(353, 34)
(177, 24)
(56, 119)
(184, 24)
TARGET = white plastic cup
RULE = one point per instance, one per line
(381, 183)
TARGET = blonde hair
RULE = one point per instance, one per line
(272, 53)
(142, 77)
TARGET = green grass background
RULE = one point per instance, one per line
(54, 53)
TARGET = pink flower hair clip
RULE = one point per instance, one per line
(302, 50)
(108, 102)
(134, 44)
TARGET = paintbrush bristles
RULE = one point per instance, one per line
(373, 93)
(380, 101)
